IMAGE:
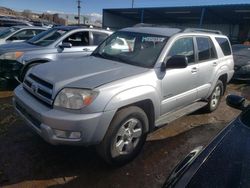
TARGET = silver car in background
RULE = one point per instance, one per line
(19, 33)
(58, 43)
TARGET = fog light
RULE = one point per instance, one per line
(60, 134)
(75, 135)
(67, 134)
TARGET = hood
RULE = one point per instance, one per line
(17, 46)
(88, 72)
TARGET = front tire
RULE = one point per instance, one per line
(125, 137)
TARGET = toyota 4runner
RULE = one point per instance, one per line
(137, 80)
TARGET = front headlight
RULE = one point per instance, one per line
(72, 98)
(11, 55)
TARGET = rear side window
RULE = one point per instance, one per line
(225, 46)
(98, 37)
(205, 49)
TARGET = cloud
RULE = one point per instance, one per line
(94, 16)
(54, 12)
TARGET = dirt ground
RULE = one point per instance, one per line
(27, 161)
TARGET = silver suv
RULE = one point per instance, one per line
(138, 79)
(58, 43)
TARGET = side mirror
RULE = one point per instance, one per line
(236, 101)
(176, 62)
(66, 45)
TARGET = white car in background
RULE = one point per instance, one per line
(19, 33)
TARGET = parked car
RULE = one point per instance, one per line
(19, 33)
(58, 43)
(9, 22)
(45, 24)
(242, 62)
(224, 162)
(114, 98)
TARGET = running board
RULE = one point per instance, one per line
(165, 119)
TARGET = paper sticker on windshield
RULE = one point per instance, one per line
(153, 39)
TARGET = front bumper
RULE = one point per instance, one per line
(44, 120)
(10, 68)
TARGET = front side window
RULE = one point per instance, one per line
(205, 49)
(47, 37)
(78, 39)
(23, 35)
(185, 47)
(139, 49)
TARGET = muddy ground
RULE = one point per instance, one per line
(27, 161)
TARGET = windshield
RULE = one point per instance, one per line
(6, 32)
(48, 37)
(137, 49)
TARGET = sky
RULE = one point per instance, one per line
(96, 6)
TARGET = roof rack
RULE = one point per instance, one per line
(202, 30)
(149, 25)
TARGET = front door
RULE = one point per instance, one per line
(179, 85)
(80, 46)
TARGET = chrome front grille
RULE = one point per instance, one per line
(39, 88)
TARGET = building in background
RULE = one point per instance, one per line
(232, 19)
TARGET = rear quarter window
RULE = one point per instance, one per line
(225, 46)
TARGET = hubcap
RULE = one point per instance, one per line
(216, 96)
(127, 138)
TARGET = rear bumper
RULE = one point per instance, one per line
(45, 120)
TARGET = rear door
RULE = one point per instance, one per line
(207, 63)
(179, 85)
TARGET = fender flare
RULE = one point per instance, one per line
(135, 95)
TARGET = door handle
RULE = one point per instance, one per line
(86, 49)
(194, 70)
(214, 64)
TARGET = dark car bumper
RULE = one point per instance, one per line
(10, 69)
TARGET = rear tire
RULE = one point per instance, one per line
(215, 98)
(125, 137)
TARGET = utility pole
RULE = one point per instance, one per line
(79, 10)
(132, 3)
